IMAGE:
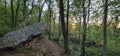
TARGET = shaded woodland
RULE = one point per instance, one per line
(67, 28)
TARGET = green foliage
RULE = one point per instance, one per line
(94, 51)
(46, 18)
(77, 3)
(94, 34)
(4, 30)
(113, 47)
(75, 49)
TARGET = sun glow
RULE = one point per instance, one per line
(73, 26)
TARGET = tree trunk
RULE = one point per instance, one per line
(88, 10)
(40, 10)
(64, 29)
(116, 31)
(79, 28)
(12, 13)
(24, 9)
(67, 18)
(84, 29)
(105, 28)
(5, 6)
(17, 12)
(49, 7)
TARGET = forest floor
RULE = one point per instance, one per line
(37, 47)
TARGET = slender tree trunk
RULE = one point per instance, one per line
(5, 11)
(84, 29)
(17, 12)
(40, 10)
(116, 31)
(31, 9)
(24, 9)
(105, 28)
(88, 11)
(67, 18)
(5, 6)
(88, 18)
(50, 14)
(12, 13)
(79, 27)
(24, 12)
(66, 47)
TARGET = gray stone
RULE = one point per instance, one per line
(16, 37)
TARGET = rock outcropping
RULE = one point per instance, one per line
(14, 38)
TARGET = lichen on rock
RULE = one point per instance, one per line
(14, 38)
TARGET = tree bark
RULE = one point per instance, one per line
(50, 14)
(67, 18)
(40, 10)
(17, 12)
(24, 9)
(105, 28)
(64, 29)
(88, 10)
(84, 29)
(5, 6)
(12, 13)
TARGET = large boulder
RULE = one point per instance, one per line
(14, 38)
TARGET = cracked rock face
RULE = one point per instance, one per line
(16, 37)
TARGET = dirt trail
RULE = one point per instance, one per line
(37, 47)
